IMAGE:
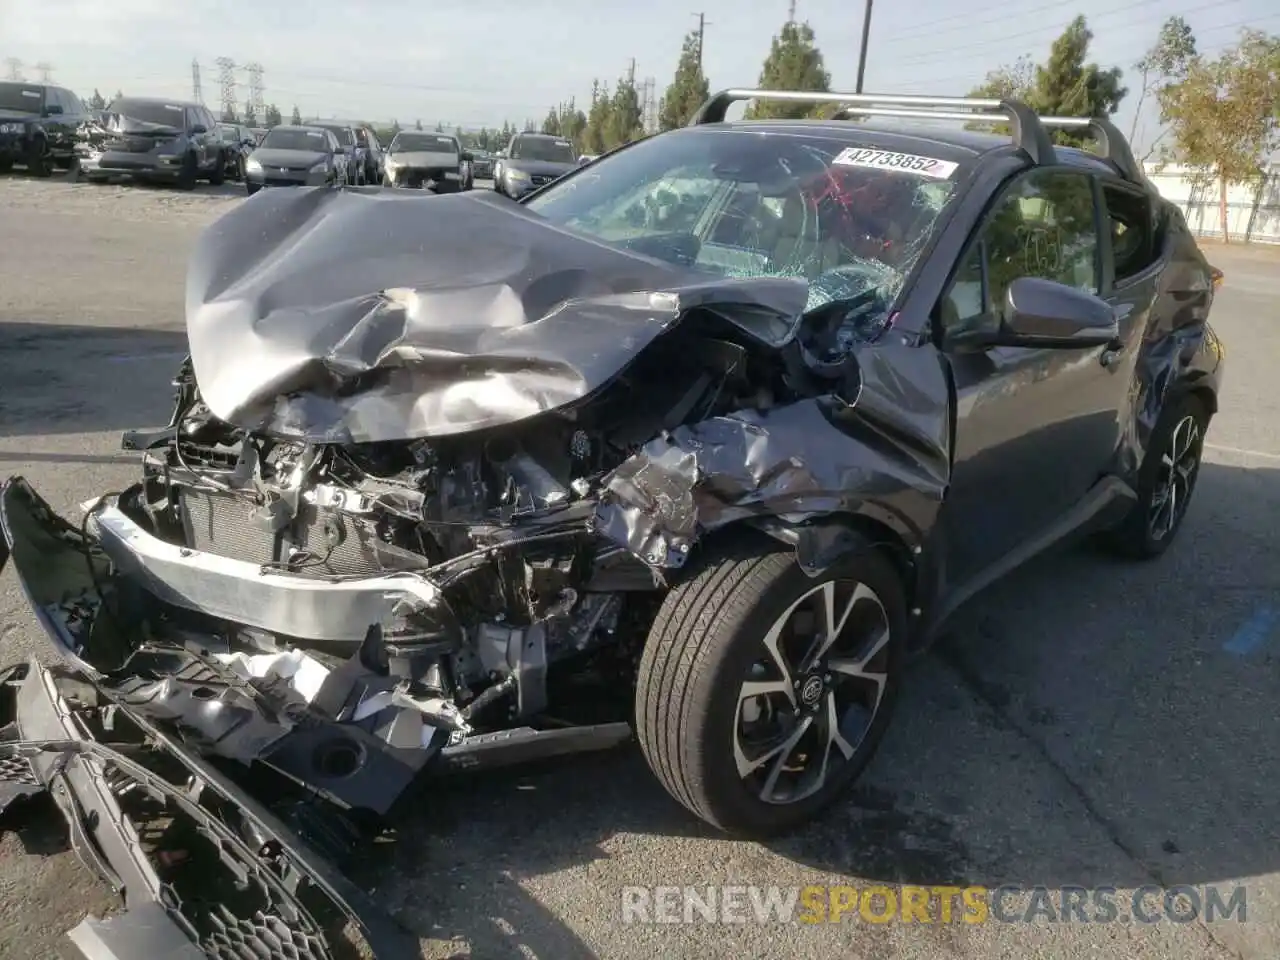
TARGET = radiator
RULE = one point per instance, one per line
(226, 526)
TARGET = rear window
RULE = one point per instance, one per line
(545, 149)
(423, 143)
(313, 141)
(147, 111)
(342, 133)
(852, 221)
(21, 97)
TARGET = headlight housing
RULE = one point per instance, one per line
(253, 166)
(518, 175)
(10, 128)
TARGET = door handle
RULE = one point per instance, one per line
(1112, 353)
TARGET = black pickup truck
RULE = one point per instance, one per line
(38, 126)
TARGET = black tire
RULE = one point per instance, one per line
(188, 173)
(6, 166)
(1138, 536)
(218, 176)
(39, 159)
(707, 635)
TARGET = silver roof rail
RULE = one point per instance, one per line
(1030, 131)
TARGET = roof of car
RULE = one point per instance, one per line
(164, 100)
(952, 142)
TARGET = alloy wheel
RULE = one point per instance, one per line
(1178, 466)
(811, 698)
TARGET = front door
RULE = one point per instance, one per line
(1035, 428)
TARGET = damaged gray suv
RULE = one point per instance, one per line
(699, 442)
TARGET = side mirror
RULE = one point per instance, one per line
(1044, 313)
(199, 128)
(468, 156)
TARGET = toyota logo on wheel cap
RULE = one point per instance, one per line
(811, 691)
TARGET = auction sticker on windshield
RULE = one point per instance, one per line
(903, 162)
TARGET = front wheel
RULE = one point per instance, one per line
(1165, 482)
(762, 693)
(218, 176)
(188, 172)
(39, 158)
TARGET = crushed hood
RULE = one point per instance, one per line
(340, 316)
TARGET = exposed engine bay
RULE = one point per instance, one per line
(524, 619)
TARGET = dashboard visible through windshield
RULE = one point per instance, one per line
(850, 221)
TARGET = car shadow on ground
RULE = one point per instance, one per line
(1088, 722)
(64, 378)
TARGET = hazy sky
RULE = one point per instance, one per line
(477, 62)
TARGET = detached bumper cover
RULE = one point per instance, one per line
(87, 781)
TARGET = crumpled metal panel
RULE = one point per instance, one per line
(887, 454)
(337, 316)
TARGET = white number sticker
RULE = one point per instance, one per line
(902, 162)
(32, 94)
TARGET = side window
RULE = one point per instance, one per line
(1042, 226)
(1131, 221)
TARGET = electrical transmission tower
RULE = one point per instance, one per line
(46, 71)
(227, 85)
(15, 68)
(256, 89)
(197, 94)
(649, 110)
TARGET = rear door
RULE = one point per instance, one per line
(1035, 428)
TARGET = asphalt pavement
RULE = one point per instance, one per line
(1087, 723)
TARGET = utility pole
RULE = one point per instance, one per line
(227, 85)
(46, 71)
(862, 55)
(15, 68)
(197, 94)
(631, 72)
(791, 12)
(702, 29)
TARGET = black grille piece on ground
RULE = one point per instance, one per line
(260, 937)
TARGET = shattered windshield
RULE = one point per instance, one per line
(849, 220)
(21, 97)
(280, 138)
(544, 149)
(423, 143)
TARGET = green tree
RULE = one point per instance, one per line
(457, 132)
(96, 102)
(296, 117)
(1222, 115)
(688, 90)
(395, 127)
(1064, 86)
(417, 125)
(551, 124)
(1163, 65)
(272, 116)
(1068, 86)
(794, 63)
(572, 122)
(595, 132)
(119, 96)
(626, 116)
(1014, 82)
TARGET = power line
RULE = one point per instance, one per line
(939, 84)
(702, 30)
(947, 53)
(862, 53)
(227, 85)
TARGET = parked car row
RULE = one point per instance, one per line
(44, 127)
